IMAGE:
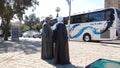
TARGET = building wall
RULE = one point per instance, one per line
(112, 3)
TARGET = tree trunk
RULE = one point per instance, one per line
(6, 33)
(6, 30)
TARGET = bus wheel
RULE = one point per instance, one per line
(86, 37)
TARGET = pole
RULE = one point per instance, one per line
(69, 19)
(57, 10)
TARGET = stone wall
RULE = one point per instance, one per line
(112, 3)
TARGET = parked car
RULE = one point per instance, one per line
(32, 33)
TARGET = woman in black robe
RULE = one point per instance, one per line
(61, 55)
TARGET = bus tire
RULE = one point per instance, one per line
(86, 37)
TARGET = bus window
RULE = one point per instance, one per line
(77, 19)
(109, 14)
(112, 16)
(65, 20)
(102, 16)
(53, 21)
(84, 18)
(95, 17)
(72, 20)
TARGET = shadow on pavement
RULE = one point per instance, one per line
(110, 42)
(27, 46)
(62, 66)
(105, 44)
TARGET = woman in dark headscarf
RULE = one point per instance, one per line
(61, 55)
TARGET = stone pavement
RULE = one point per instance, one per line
(26, 53)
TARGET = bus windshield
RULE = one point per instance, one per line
(118, 13)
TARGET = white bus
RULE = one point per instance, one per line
(98, 25)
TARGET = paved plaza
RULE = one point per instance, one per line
(26, 53)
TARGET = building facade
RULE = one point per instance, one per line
(112, 3)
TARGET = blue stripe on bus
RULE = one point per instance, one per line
(82, 30)
(94, 30)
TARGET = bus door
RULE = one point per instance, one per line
(106, 31)
(118, 23)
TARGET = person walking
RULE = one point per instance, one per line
(47, 48)
(61, 55)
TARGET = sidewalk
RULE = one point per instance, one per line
(26, 53)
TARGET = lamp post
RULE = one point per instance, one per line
(69, 3)
(57, 10)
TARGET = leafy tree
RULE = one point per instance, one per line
(37, 26)
(9, 8)
(25, 27)
(33, 22)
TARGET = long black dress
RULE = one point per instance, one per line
(47, 48)
(61, 55)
